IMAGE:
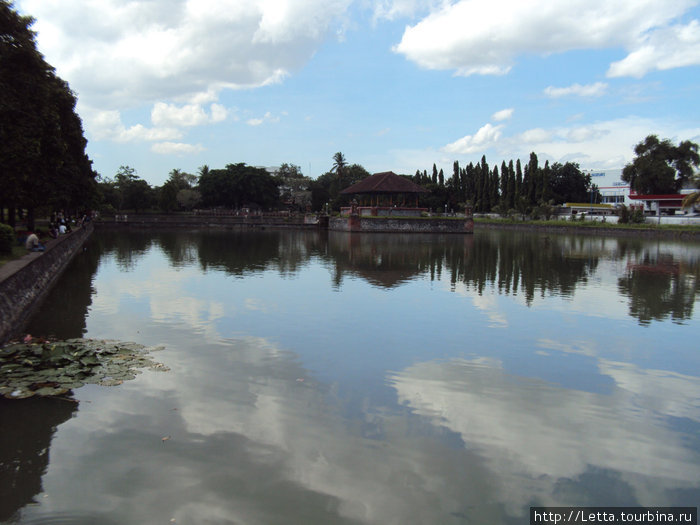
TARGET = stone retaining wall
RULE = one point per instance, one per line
(26, 281)
(401, 225)
(204, 221)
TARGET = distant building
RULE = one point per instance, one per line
(611, 186)
(617, 192)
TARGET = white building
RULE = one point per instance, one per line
(611, 186)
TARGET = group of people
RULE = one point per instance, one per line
(59, 224)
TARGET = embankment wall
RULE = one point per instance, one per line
(26, 281)
(204, 221)
(401, 225)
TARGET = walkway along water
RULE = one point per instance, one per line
(26, 281)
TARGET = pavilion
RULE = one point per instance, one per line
(386, 193)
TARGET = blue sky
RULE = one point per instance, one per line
(393, 84)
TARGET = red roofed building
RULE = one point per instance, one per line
(669, 203)
(386, 193)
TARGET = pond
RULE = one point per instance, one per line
(366, 378)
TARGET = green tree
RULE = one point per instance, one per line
(188, 199)
(339, 164)
(294, 186)
(568, 183)
(178, 181)
(660, 167)
(42, 144)
(238, 185)
(138, 195)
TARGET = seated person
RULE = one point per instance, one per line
(33, 245)
(62, 229)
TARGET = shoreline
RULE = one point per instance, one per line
(680, 233)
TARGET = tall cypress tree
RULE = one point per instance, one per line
(456, 181)
(494, 197)
(504, 185)
(533, 176)
(510, 192)
(545, 189)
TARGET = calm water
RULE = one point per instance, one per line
(380, 379)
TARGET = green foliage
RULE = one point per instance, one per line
(138, 195)
(42, 145)
(237, 186)
(7, 238)
(660, 167)
(545, 210)
(188, 199)
(627, 216)
(568, 183)
(294, 186)
(177, 182)
(55, 368)
(326, 188)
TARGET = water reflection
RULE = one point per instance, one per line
(254, 438)
(660, 285)
(27, 427)
(548, 445)
(343, 378)
(660, 278)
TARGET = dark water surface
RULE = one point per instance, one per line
(349, 378)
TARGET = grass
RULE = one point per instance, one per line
(16, 253)
(558, 223)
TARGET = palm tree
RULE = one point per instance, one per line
(339, 164)
(690, 200)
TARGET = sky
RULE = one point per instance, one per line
(395, 85)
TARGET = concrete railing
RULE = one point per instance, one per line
(26, 281)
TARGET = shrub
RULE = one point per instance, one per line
(7, 238)
(627, 216)
(623, 215)
(637, 216)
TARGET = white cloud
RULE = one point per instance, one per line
(483, 139)
(393, 9)
(120, 54)
(669, 48)
(591, 90)
(599, 145)
(486, 36)
(268, 117)
(504, 114)
(107, 125)
(535, 136)
(170, 115)
(522, 428)
(176, 148)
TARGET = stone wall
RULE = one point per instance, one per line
(26, 281)
(223, 221)
(402, 225)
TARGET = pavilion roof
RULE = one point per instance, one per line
(385, 182)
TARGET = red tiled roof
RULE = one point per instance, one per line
(661, 197)
(385, 182)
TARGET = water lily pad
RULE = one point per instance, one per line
(55, 368)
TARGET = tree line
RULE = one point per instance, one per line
(42, 145)
(507, 189)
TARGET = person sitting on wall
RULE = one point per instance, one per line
(32, 244)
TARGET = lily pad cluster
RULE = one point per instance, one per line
(55, 368)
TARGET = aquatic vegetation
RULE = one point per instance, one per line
(55, 368)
